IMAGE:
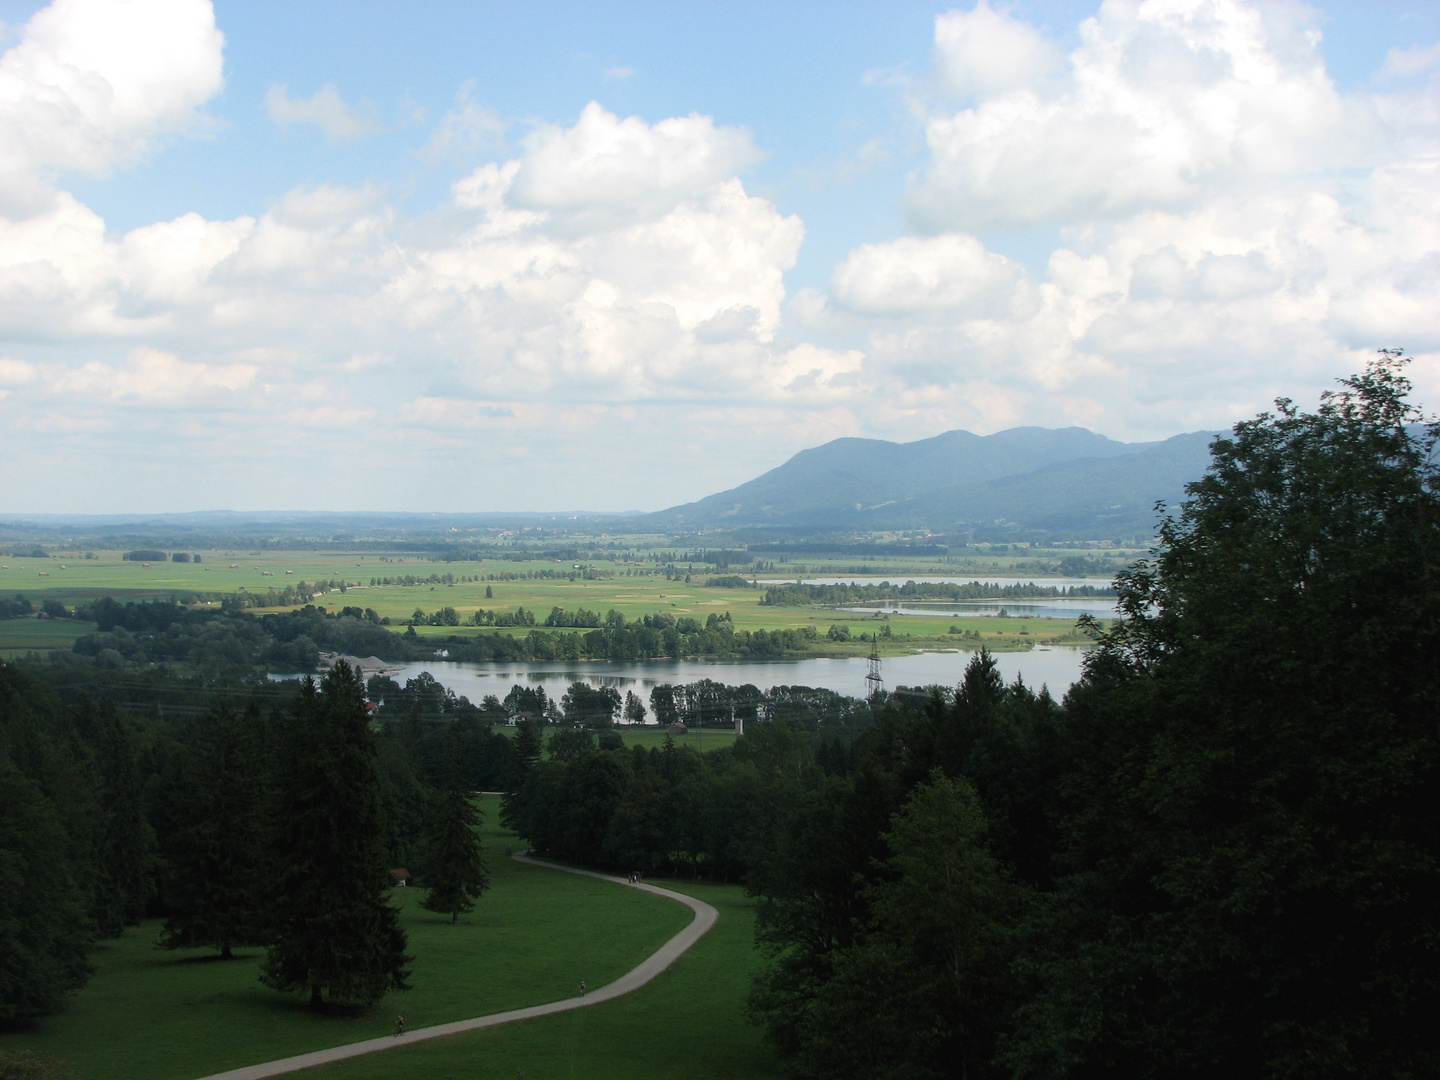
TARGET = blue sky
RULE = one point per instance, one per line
(708, 236)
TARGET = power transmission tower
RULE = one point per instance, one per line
(873, 682)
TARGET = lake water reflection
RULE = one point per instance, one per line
(1055, 667)
(1028, 609)
(983, 579)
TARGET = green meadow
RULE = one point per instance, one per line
(635, 590)
(150, 1014)
(21, 636)
(687, 1024)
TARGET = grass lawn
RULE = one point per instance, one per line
(155, 1015)
(688, 1024)
(695, 738)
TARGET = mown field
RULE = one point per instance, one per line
(634, 590)
(149, 1014)
(688, 1024)
(21, 636)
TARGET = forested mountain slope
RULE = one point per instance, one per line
(1066, 480)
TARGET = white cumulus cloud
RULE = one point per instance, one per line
(1165, 102)
(1229, 225)
(154, 376)
(93, 83)
(983, 52)
(1223, 225)
(15, 372)
(465, 129)
(623, 167)
(325, 109)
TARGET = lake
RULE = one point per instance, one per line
(984, 579)
(1056, 667)
(1020, 609)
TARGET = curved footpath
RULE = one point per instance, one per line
(653, 965)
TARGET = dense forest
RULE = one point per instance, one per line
(107, 817)
(232, 641)
(1215, 857)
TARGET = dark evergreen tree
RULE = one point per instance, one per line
(1252, 884)
(214, 852)
(924, 993)
(454, 866)
(125, 851)
(46, 819)
(44, 931)
(333, 925)
(527, 749)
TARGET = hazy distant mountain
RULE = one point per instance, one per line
(1065, 481)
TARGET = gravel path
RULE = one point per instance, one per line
(653, 965)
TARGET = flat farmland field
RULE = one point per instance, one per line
(21, 636)
(634, 590)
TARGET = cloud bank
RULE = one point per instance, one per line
(599, 317)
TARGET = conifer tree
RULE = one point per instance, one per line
(214, 852)
(454, 867)
(45, 820)
(333, 926)
(527, 747)
(125, 853)
(1252, 834)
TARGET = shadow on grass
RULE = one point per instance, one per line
(209, 958)
(260, 1003)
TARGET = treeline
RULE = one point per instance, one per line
(674, 810)
(233, 642)
(798, 595)
(728, 581)
(580, 617)
(299, 592)
(890, 548)
(20, 606)
(1220, 856)
(244, 825)
(583, 573)
(431, 579)
(230, 642)
(485, 617)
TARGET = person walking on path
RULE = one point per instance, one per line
(582, 987)
(399, 1025)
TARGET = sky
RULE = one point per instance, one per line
(561, 256)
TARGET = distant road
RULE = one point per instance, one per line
(705, 917)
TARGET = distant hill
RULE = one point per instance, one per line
(1068, 481)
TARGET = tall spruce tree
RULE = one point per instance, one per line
(528, 747)
(1253, 887)
(125, 853)
(46, 821)
(334, 928)
(454, 867)
(214, 852)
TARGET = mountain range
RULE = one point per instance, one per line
(1067, 481)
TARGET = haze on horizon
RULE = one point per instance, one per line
(482, 258)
